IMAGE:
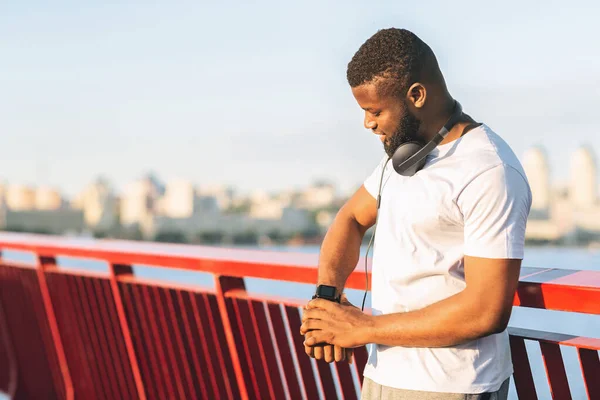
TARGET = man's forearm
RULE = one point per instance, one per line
(340, 251)
(450, 322)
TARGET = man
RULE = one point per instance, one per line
(447, 248)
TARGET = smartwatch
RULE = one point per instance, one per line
(327, 292)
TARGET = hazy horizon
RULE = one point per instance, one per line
(235, 95)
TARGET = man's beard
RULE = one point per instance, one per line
(407, 131)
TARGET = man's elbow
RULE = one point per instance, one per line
(494, 322)
(498, 326)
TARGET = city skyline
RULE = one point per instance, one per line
(238, 95)
(555, 180)
(179, 210)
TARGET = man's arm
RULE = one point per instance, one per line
(495, 207)
(341, 246)
(482, 308)
(339, 255)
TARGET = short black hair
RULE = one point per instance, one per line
(397, 55)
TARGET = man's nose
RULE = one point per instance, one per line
(370, 123)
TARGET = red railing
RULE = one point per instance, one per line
(68, 333)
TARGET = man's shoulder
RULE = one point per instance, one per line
(487, 150)
(488, 163)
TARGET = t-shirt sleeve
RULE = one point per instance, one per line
(372, 181)
(495, 207)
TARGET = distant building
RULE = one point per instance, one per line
(294, 220)
(290, 221)
(139, 201)
(204, 205)
(535, 163)
(47, 198)
(179, 199)
(259, 196)
(99, 205)
(183, 200)
(543, 230)
(324, 219)
(56, 222)
(20, 198)
(266, 208)
(290, 198)
(196, 225)
(570, 212)
(319, 195)
(3, 189)
(224, 195)
(583, 190)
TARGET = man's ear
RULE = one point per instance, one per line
(416, 95)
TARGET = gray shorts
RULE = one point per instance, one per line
(374, 391)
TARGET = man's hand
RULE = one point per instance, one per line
(342, 325)
(328, 352)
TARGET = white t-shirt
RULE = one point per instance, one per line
(471, 198)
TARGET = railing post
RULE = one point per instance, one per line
(12, 360)
(522, 369)
(224, 284)
(43, 262)
(10, 351)
(590, 367)
(115, 271)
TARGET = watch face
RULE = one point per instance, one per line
(327, 291)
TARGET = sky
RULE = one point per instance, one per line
(255, 95)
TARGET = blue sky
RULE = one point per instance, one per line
(255, 95)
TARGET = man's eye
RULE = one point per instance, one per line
(377, 113)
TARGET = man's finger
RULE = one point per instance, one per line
(318, 351)
(307, 349)
(328, 353)
(310, 351)
(311, 325)
(338, 353)
(319, 338)
(321, 303)
(315, 313)
(350, 355)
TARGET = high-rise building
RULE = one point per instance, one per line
(179, 199)
(20, 198)
(47, 198)
(223, 194)
(3, 189)
(318, 195)
(139, 201)
(99, 205)
(583, 185)
(535, 163)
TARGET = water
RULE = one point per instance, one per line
(547, 257)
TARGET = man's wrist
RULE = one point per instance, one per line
(331, 282)
(368, 331)
(327, 292)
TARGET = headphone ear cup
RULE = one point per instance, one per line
(403, 153)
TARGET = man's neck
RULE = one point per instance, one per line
(458, 128)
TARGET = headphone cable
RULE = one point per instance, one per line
(373, 235)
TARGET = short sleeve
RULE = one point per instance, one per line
(495, 207)
(372, 181)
